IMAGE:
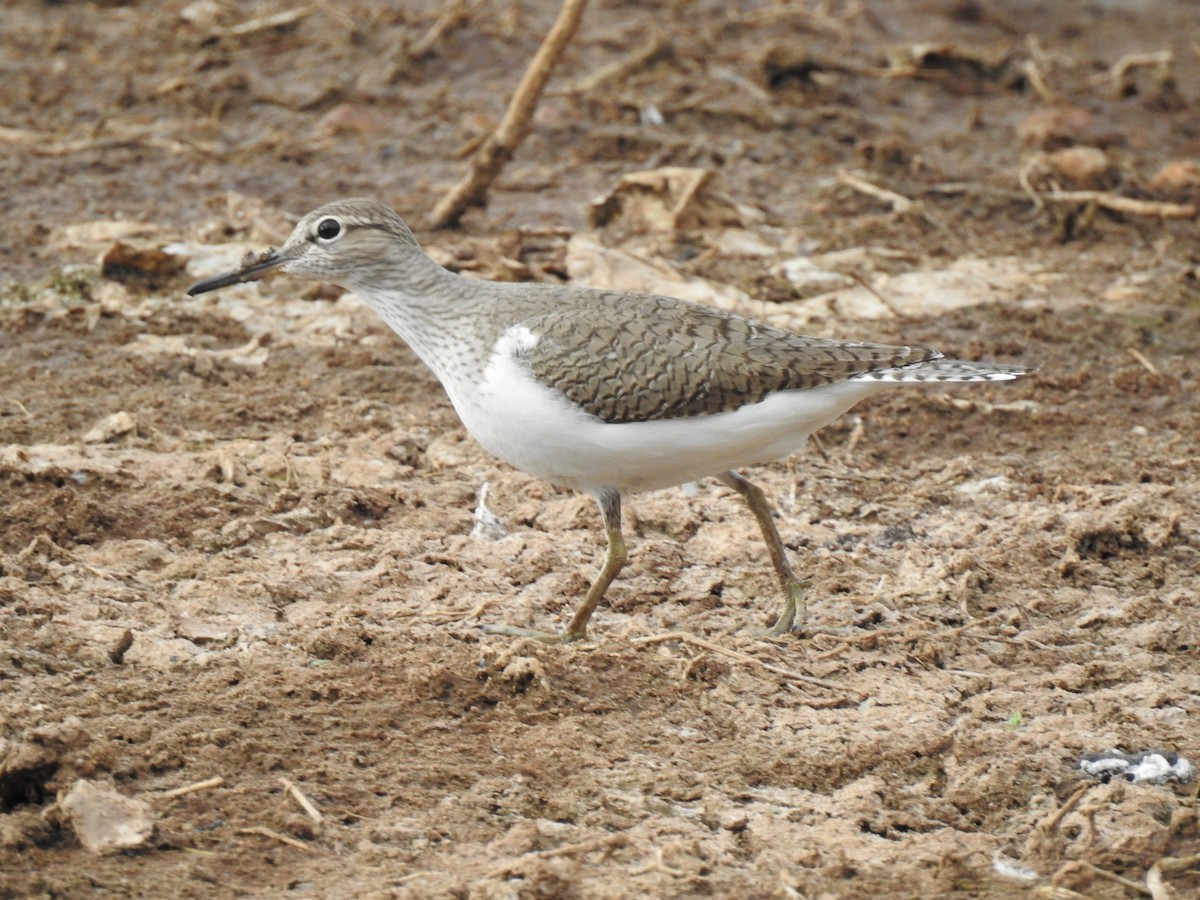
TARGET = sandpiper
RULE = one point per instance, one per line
(607, 392)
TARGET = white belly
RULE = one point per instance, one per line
(537, 430)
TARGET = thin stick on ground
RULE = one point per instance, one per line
(1076, 866)
(215, 781)
(739, 657)
(1144, 362)
(898, 202)
(607, 844)
(305, 804)
(1128, 205)
(276, 836)
(1050, 824)
(455, 15)
(500, 146)
(653, 46)
(1168, 865)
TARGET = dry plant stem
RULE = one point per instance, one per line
(1091, 869)
(739, 657)
(631, 61)
(1144, 362)
(276, 836)
(607, 844)
(1156, 886)
(500, 146)
(898, 202)
(305, 804)
(265, 23)
(1162, 60)
(1052, 821)
(1034, 74)
(1165, 866)
(1128, 205)
(455, 15)
(215, 781)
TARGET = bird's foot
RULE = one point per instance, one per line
(795, 611)
(546, 637)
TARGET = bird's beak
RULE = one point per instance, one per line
(253, 267)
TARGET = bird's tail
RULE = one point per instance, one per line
(941, 370)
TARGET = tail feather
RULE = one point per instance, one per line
(937, 371)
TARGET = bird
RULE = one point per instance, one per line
(607, 392)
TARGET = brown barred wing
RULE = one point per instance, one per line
(661, 358)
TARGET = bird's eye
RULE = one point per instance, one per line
(328, 229)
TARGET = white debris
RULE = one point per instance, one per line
(488, 525)
(105, 820)
(1010, 868)
(651, 115)
(992, 484)
(808, 276)
(1152, 766)
(111, 427)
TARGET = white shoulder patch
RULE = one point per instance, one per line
(517, 341)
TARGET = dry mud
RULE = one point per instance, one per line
(268, 570)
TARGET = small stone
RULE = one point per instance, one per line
(1177, 175)
(111, 427)
(1081, 167)
(104, 820)
(735, 821)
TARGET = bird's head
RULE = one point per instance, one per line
(341, 242)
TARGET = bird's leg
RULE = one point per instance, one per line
(614, 560)
(794, 588)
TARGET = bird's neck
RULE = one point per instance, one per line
(442, 316)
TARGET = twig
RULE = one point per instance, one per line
(1165, 866)
(608, 844)
(1146, 364)
(938, 636)
(1127, 205)
(739, 657)
(275, 836)
(1156, 886)
(845, 642)
(456, 14)
(500, 146)
(634, 59)
(305, 803)
(1092, 869)
(1114, 202)
(1034, 74)
(1052, 821)
(1033, 69)
(265, 23)
(215, 781)
(1162, 60)
(899, 202)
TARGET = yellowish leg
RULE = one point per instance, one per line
(614, 561)
(795, 590)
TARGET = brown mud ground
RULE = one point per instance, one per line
(273, 575)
